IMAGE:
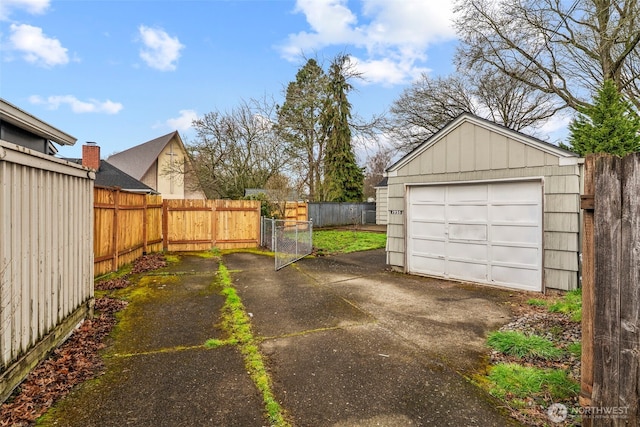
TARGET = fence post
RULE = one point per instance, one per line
(116, 229)
(165, 225)
(144, 226)
(588, 278)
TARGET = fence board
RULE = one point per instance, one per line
(607, 293)
(629, 387)
(237, 224)
(616, 297)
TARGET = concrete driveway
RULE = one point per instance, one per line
(346, 343)
(350, 343)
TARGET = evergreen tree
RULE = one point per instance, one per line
(344, 179)
(299, 125)
(609, 126)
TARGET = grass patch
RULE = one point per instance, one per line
(570, 304)
(511, 380)
(519, 345)
(537, 302)
(237, 324)
(341, 241)
(575, 348)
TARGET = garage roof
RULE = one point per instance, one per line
(491, 126)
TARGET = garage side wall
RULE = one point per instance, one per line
(473, 153)
(382, 208)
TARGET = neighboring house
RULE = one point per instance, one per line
(108, 175)
(480, 202)
(381, 202)
(162, 164)
(21, 128)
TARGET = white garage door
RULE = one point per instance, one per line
(488, 233)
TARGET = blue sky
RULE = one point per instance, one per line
(122, 72)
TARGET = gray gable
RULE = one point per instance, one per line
(137, 160)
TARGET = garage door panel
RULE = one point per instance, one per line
(466, 251)
(473, 212)
(429, 211)
(428, 265)
(467, 271)
(476, 232)
(515, 213)
(426, 229)
(488, 232)
(516, 255)
(523, 234)
(429, 194)
(515, 277)
(428, 246)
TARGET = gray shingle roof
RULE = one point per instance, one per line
(110, 176)
(137, 160)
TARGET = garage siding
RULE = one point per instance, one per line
(469, 153)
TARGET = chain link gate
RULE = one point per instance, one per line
(290, 240)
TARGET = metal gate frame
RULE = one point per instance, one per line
(290, 240)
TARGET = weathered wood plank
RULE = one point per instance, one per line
(588, 288)
(629, 387)
(607, 235)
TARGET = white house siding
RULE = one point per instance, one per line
(473, 151)
(46, 255)
(381, 205)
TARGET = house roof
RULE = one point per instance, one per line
(137, 160)
(383, 183)
(20, 118)
(489, 125)
(110, 176)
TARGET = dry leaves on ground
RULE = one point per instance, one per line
(75, 361)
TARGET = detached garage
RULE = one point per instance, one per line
(482, 203)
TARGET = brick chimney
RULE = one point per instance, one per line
(91, 155)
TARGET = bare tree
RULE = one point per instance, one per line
(376, 165)
(430, 103)
(236, 150)
(567, 49)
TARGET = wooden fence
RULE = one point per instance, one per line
(610, 389)
(193, 225)
(127, 224)
(296, 211)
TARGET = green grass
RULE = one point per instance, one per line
(571, 304)
(237, 324)
(575, 348)
(519, 345)
(511, 380)
(537, 302)
(340, 241)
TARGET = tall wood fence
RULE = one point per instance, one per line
(126, 225)
(610, 389)
(296, 211)
(192, 225)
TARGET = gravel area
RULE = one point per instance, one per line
(559, 329)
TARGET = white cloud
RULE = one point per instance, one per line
(33, 7)
(36, 47)
(395, 34)
(160, 51)
(184, 121)
(77, 106)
